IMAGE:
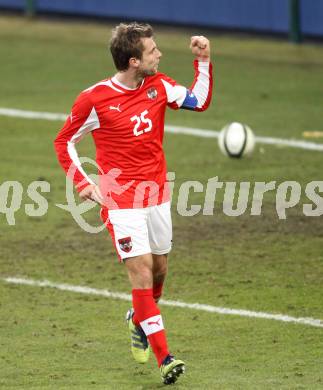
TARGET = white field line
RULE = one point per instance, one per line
(49, 116)
(203, 133)
(194, 306)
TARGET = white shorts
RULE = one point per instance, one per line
(136, 232)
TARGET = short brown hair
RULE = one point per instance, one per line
(126, 42)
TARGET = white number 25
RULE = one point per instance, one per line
(141, 119)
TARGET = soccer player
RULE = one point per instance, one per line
(125, 115)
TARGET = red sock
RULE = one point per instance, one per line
(157, 291)
(148, 315)
(135, 320)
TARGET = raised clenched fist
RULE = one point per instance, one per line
(200, 47)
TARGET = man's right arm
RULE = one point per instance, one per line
(82, 120)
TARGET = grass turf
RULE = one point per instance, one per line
(51, 339)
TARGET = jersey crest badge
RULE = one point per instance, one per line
(152, 93)
(125, 244)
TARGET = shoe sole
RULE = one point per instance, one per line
(174, 373)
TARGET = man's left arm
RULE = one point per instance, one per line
(198, 96)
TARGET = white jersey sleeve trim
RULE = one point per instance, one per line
(92, 122)
(175, 93)
(202, 85)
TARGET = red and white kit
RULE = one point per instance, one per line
(127, 126)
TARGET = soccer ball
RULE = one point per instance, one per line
(236, 140)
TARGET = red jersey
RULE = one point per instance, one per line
(127, 126)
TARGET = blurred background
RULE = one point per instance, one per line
(296, 18)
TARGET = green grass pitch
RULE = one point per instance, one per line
(52, 339)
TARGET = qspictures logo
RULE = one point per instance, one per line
(234, 199)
